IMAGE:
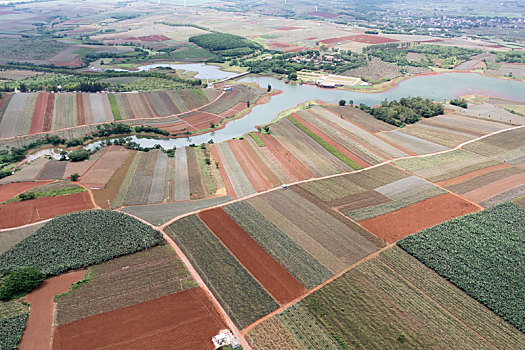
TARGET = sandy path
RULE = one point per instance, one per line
(39, 329)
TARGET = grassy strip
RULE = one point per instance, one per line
(325, 144)
(257, 139)
(77, 284)
(202, 156)
(54, 193)
(114, 107)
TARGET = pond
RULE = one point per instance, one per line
(437, 87)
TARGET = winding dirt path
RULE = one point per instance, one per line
(39, 330)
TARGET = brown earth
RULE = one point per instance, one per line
(472, 175)
(332, 143)
(197, 187)
(272, 276)
(113, 186)
(185, 320)
(8, 191)
(495, 188)
(37, 124)
(39, 329)
(48, 114)
(268, 173)
(299, 171)
(81, 118)
(227, 183)
(251, 167)
(22, 213)
(416, 217)
(102, 171)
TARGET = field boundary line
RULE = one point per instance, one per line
(310, 291)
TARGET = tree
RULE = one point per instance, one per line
(292, 76)
(74, 177)
(269, 89)
(212, 125)
(248, 104)
(342, 102)
(267, 129)
(27, 196)
(20, 281)
(23, 87)
(78, 155)
(350, 102)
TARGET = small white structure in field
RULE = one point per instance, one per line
(225, 338)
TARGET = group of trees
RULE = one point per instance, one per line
(459, 102)
(227, 45)
(17, 282)
(405, 111)
(511, 56)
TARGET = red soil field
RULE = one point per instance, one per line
(102, 171)
(201, 120)
(239, 107)
(185, 320)
(229, 187)
(37, 124)
(277, 44)
(81, 119)
(371, 39)
(295, 49)
(471, 175)
(48, 115)
(38, 332)
(332, 142)
(299, 171)
(272, 276)
(3, 99)
(268, 173)
(22, 213)
(361, 38)
(176, 127)
(153, 38)
(494, 188)
(250, 166)
(416, 217)
(8, 191)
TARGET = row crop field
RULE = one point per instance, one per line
(81, 239)
(243, 298)
(30, 113)
(13, 319)
(184, 320)
(391, 301)
(125, 281)
(481, 254)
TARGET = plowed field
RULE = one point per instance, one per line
(401, 223)
(10, 190)
(23, 213)
(182, 321)
(279, 282)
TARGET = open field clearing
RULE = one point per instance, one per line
(340, 241)
(53, 189)
(413, 143)
(53, 170)
(272, 276)
(102, 171)
(8, 191)
(11, 237)
(506, 146)
(196, 181)
(303, 266)
(81, 239)
(182, 184)
(123, 282)
(413, 218)
(160, 214)
(392, 295)
(310, 153)
(156, 194)
(28, 173)
(272, 334)
(26, 212)
(437, 134)
(141, 176)
(184, 320)
(480, 253)
(239, 293)
(445, 166)
(113, 186)
(494, 113)
(240, 183)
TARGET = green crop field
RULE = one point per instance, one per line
(114, 107)
(239, 293)
(81, 239)
(482, 254)
(13, 318)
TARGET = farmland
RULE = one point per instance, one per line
(123, 282)
(392, 294)
(238, 292)
(64, 244)
(13, 318)
(479, 253)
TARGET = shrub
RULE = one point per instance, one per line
(19, 282)
(342, 102)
